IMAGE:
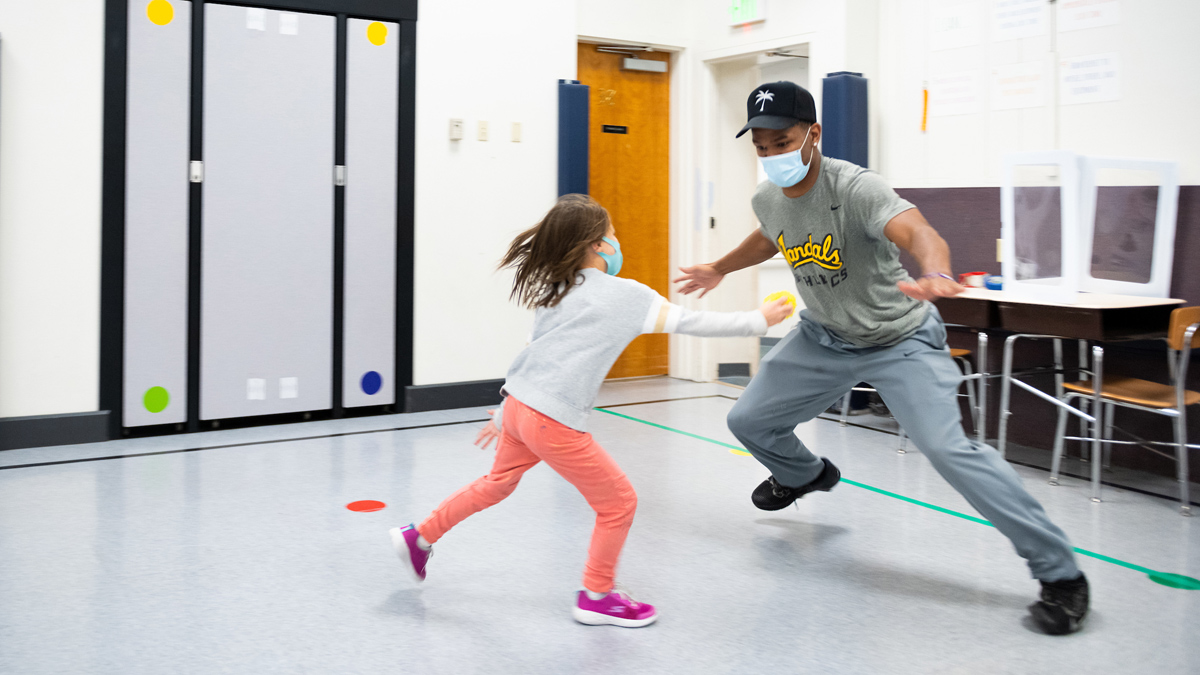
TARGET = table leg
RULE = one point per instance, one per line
(1097, 418)
(1083, 402)
(1005, 391)
(981, 364)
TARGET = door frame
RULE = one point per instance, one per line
(698, 357)
(112, 247)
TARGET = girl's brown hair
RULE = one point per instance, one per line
(548, 255)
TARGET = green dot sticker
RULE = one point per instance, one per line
(156, 399)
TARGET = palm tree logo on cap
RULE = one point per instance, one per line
(763, 97)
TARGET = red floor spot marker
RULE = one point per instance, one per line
(366, 505)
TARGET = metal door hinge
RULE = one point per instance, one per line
(196, 172)
(339, 175)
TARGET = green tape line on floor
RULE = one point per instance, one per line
(1164, 578)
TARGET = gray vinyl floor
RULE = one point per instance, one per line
(233, 552)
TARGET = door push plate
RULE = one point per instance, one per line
(339, 175)
(196, 172)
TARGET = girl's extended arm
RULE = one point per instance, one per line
(665, 317)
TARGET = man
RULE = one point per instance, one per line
(839, 226)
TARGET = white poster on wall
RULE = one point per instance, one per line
(954, 24)
(1080, 14)
(1014, 19)
(955, 94)
(1019, 85)
(1089, 79)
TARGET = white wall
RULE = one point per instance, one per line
(658, 22)
(1158, 92)
(51, 64)
(479, 60)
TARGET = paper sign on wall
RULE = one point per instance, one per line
(1019, 85)
(1014, 19)
(1080, 14)
(289, 387)
(289, 24)
(1089, 79)
(256, 389)
(955, 94)
(256, 19)
(954, 24)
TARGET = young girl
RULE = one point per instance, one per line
(565, 269)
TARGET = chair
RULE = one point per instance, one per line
(1170, 400)
(962, 356)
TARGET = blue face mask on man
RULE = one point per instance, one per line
(789, 168)
(613, 260)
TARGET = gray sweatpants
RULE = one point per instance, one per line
(812, 368)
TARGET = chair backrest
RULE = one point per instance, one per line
(1180, 320)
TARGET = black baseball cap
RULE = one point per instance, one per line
(778, 105)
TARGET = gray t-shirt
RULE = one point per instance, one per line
(845, 268)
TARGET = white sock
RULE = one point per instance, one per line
(595, 596)
(422, 544)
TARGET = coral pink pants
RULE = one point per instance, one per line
(528, 438)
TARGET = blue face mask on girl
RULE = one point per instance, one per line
(613, 260)
(789, 168)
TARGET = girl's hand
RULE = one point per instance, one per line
(699, 277)
(930, 288)
(777, 310)
(488, 434)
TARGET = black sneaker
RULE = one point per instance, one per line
(1063, 606)
(771, 496)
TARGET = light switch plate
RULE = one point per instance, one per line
(483, 130)
(516, 132)
(456, 130)
(999, 250)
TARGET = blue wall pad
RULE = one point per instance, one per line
(572, 137)
(844, 117)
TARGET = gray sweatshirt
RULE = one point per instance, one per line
(575, 343)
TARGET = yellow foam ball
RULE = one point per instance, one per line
(791, 299)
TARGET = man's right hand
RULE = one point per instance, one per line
(699, 277)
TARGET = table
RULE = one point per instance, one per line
(1095, 317)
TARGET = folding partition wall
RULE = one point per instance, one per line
(257, 252)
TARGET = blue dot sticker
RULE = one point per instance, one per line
(372, 382)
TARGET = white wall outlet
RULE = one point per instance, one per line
(483, 130)
(516, 132)
(456, 129)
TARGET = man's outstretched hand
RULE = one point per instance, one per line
(930, 288)
(699, 277)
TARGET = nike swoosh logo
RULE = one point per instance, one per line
(835, 208)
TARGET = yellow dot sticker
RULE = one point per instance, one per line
(377, 33)
(160, 12)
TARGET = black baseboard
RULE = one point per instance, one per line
(733, 370)
(427, 397)
(43, 430)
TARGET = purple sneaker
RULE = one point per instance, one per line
(404, 540)
(616, 609)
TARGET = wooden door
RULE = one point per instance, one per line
(629, 174)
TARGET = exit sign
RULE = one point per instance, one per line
(742, 12)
